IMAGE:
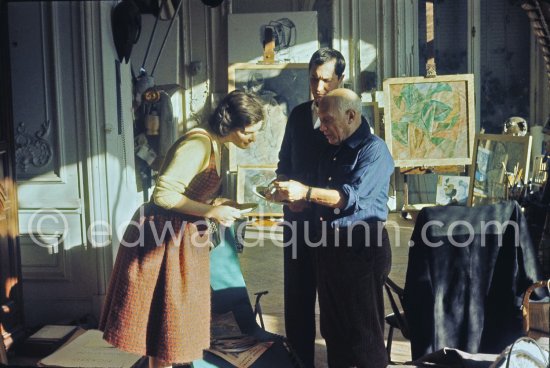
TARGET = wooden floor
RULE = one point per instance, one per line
(262, 265)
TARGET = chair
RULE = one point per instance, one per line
(536, 313)
(229, 294)
(395, 320)
(466, 274)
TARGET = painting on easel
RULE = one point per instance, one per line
(430, 121)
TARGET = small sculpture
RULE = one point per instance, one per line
(516, 126)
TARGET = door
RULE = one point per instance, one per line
(58, 267)
(11, 309)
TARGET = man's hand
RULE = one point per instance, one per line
(271, 192)
(291, 191)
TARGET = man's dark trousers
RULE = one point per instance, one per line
(351, 301)
(300, 292)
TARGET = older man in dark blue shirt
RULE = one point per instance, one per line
(353, 253)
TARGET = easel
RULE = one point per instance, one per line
(430, 73)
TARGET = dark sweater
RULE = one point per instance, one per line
(300, 151)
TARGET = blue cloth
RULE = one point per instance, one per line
(225, 268)
(360, 168)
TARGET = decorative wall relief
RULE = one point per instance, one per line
(32, 150)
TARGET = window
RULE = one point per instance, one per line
(502, 59)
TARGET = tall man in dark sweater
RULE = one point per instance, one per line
(299, 156)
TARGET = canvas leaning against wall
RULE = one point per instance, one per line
(539, 170)
(281, 87)
(500, 165)
(452, 190)
(430, 121)
(374, 115)
(294, 33)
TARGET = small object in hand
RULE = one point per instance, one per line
(267, 193)
(246, 207)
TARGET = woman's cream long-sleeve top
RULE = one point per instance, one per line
(185, 159)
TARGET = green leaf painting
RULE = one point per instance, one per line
(429, 120)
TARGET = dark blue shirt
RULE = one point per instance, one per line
(360, 168)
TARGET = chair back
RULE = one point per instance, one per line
(395, 296)
(536, 314)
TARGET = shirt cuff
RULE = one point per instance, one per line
(351, 197)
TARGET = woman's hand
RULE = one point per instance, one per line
(223, 201)
(225, 215)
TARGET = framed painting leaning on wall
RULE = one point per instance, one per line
(281, 87)
(430, 121)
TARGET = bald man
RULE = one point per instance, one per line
(353, 257)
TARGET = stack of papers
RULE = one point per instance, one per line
(51, 333)
(90, 350)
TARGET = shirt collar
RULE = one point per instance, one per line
(360, 135)
(315, 116)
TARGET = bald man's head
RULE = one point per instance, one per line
(340, 114)
(344, 99)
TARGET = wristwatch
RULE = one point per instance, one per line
(308, 194)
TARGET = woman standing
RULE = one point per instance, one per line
(158, 301)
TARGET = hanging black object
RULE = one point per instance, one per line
(212, 3)
(148, 6)
(161, 9)
(175, 12)
(126, 25)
